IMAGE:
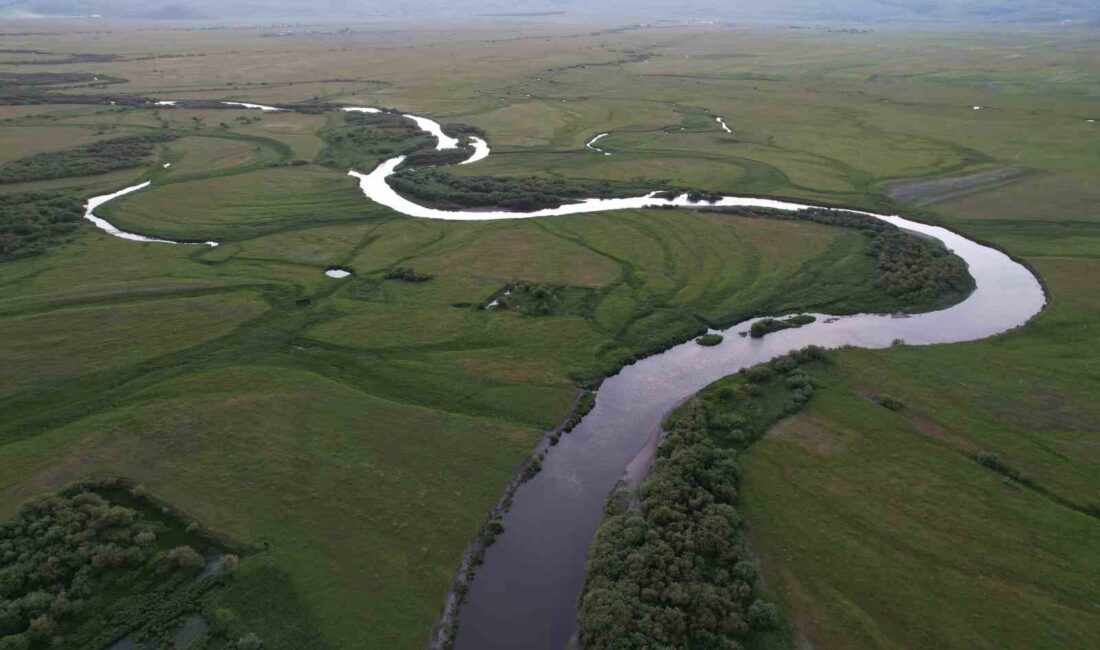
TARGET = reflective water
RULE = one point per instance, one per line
(481, 150)
(591, 144)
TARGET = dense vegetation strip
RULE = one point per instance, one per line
(916, 270)
(95, 158)
(672, 570)
(362, 140)
(443, 190)
(30, 222)
(101, 561)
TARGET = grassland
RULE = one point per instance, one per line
(363, 427)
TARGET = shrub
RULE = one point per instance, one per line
(31, 222)
(227, 564)
(184, 557)
(709, 340)
(406, 274)
(249, 642)
(763, 616)
(890, 403)
(758, 374)
(534, 466)
(784, 364)
(990, 460)
(41, 628)
(798, 380)
(766, 326)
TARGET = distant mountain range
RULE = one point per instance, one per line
(869, 11)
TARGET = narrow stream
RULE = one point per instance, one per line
(591, 144)
(525, 594)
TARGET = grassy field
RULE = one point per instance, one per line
(362, 428)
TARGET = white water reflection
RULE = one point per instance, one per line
(722, 123)
(262, 107)
(591, 144)
(110, 229)
(481, 150)
(443, 141)
(337, 273)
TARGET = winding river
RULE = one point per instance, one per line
(525, 594)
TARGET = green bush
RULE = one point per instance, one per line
(766, 326)
(406, 274)
(441, 189)
(763, 616)
(184, 557)
(88, 565)
(31, 222)
(709, 340)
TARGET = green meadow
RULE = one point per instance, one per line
(356, 432)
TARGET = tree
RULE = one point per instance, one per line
(184, 557)
(42, 628)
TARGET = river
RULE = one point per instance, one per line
(525, 594)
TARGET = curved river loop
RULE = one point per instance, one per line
(526, 592)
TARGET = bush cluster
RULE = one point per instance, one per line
(441, 189)
(917, 270)
(994, 462)
(674, 573)
(762, 328)
(585, 403)
(56, 554)
(31, 222)
(100, 561)
(407, 274)
(364, 138)
(95, 158)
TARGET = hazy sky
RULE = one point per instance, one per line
(782, 10)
